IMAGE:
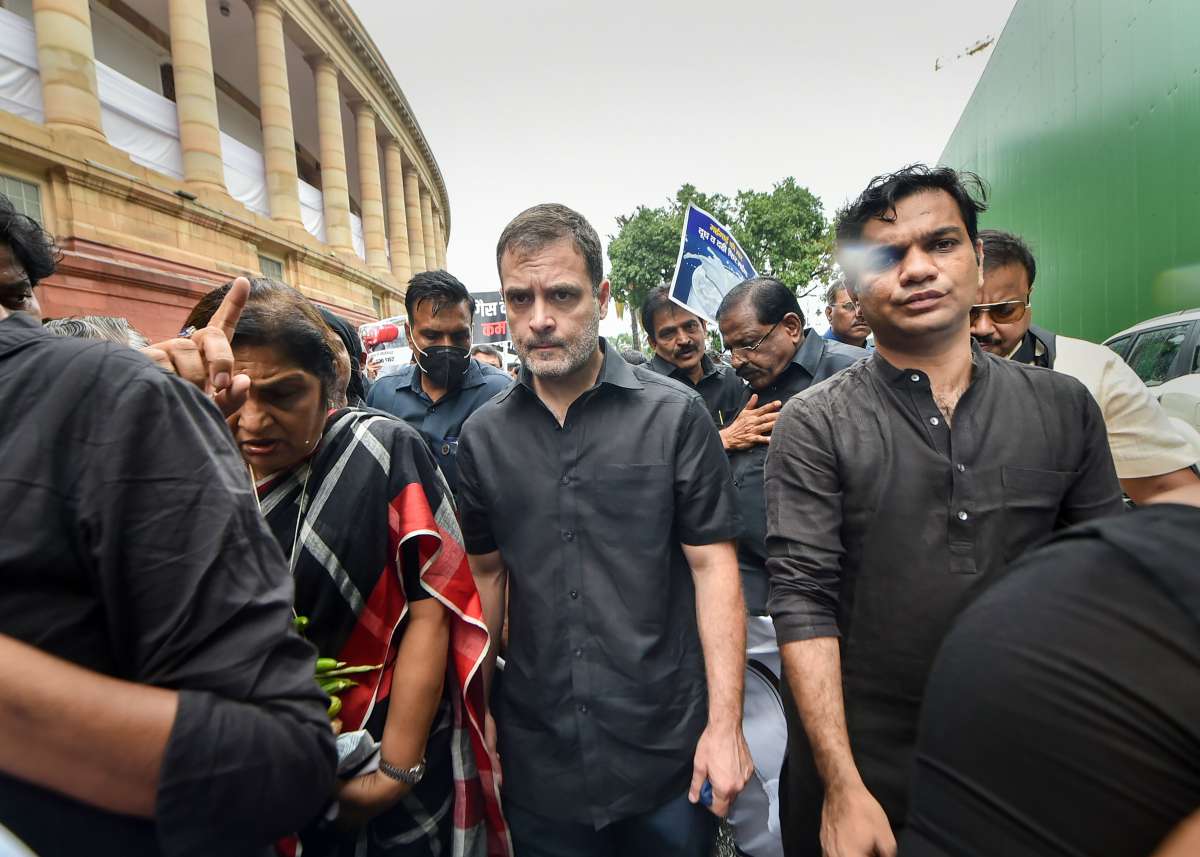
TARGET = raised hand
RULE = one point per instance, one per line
(205, 357)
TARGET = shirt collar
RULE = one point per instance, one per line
(898, 377)
(808, 355)
(614, 370)
(708, 366)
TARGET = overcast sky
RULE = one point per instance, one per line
(605, 106)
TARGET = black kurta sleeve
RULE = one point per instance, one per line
(198, 598)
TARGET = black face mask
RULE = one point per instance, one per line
(446, 365)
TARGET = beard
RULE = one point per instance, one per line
(574, 355)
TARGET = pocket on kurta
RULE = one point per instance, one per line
(1032, 498)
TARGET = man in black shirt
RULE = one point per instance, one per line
(680, 341)
(1062, 715)
(892, 490)
(134, 548)
(768, 345)
(600, 493)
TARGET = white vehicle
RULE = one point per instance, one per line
(1165, 354)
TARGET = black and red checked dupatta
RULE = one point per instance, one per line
(344, 517)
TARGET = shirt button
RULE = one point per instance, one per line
(962, 468)
(934, 421)
(962, 516)
(915, 377)
(566, 480)
(568, 535)
(579, 653)
(582, 708)
(574, 593)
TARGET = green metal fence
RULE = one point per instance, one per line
(1086, 124)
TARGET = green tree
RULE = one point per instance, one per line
(785, 234)
(783, 231)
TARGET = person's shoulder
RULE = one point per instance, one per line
(839, 353)
(494, 380)
(1042, 381)
(660, 388)
(824, 399)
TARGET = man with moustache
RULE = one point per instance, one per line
(598, 492)
(1151, 457)
(846, 324)
(680, 342)
(881, 526)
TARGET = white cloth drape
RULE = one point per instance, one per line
(356, 236)
(245, 175)
(20, 86)
(312, 209)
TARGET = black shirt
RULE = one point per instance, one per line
(604, 694)
(815, 360)
(881, 520)
(134, 547)
(1062, 715)
(722, 389)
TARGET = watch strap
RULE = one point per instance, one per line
(410, 776)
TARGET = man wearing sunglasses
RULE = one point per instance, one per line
(1150, 455)
(846, 324)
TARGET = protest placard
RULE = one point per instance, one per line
(491, 319)
(710, 263)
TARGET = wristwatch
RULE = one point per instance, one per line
(411, 776)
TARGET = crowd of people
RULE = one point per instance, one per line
(873, 591)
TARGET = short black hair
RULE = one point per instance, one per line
(772, 299)
(32, 245)
(658, 298)
(1005, 248)
(441, 287)
(878, 200)
(544, 224)
(486, 349)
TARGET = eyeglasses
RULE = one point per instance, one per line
(742, 352)
(1001, 312)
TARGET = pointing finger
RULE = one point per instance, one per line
(227, 314)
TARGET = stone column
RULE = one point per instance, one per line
(335, 186)
(416, 232)
(439, 229)
(427, 229)
(397, 221)
(67, 66)
(195, 94)
(370, 188)
(275, 110)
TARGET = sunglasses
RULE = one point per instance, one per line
(1001, 312)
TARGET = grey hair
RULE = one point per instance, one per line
(107, 327)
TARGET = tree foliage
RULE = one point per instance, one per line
(783, 231)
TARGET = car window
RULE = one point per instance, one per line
(1121, 345)
(1153, 352)
(1196, 360)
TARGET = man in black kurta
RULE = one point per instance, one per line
(893, 490)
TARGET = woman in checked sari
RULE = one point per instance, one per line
(368, 525)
